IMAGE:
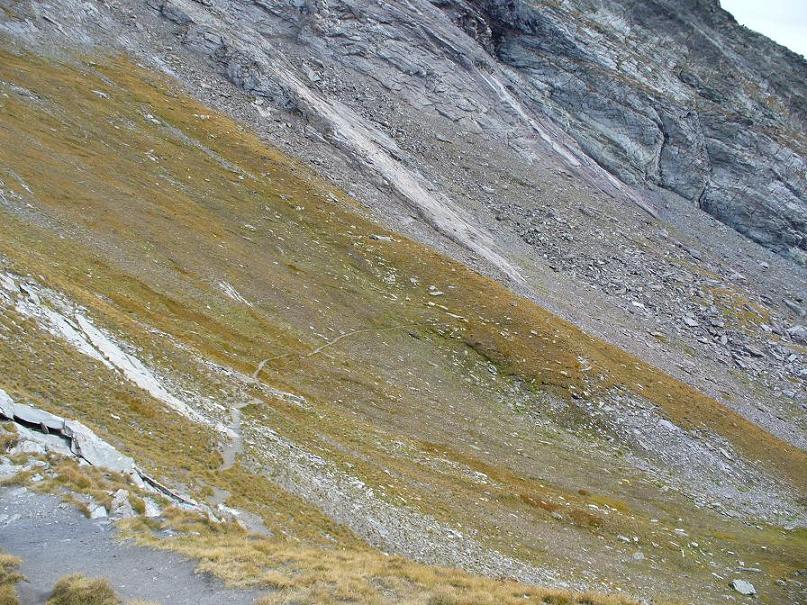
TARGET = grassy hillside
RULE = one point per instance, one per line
(236, 273)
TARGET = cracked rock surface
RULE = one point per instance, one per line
(668, 94)
(663, 95)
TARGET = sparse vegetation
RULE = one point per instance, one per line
(69, 479)
(421, 377)
(331, 576)
(9, 577)
(8, 436)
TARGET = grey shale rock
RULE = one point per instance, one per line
(152, 508)
(798, 334)
(718, 117)
(98, 512)
(84, 443)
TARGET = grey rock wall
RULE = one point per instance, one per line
(671, 94)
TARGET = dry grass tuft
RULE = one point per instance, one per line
(76, 589)
(8, 436)
(9, 577)
(584, 518)
(70, 478)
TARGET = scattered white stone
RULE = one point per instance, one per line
(230, 291)
(98, 512)
(121, 507)
(690, 321)
(798, 334)
(152, 509)
(743, 587)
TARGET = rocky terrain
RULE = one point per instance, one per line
(668, 95)
(516, 288)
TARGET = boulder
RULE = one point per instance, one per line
(83, 442)
(7, 469)
(121, 507)
(798, 334)
(53, 443)
(690, 321)
(96, 451)
(97, 512)
(29, 415)
(152, 509)
(743, 587)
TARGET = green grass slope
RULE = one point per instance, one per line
(220, 259)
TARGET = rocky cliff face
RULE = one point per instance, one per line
(674, 95)
(674, 99)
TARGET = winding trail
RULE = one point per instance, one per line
(231, 450)
(256, 374)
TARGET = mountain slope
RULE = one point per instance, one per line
(430, 411)
(480, 351)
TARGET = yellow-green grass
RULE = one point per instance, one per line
(299, 574)
(100, 175)
(10, 576)
(139, 222)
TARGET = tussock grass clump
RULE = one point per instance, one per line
(71, 478)
(9, 576)
(77, 589)
(8, 436)
(584, 518)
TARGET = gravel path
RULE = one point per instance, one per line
(54, 539)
